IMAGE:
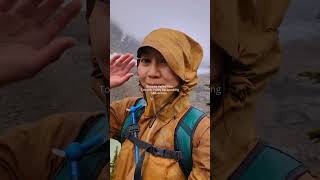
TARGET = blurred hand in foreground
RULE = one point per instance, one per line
(28, 35)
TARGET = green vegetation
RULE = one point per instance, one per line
(113, 164)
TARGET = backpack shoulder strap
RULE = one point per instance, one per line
(128, 120)
(266, 162)
(183, 137)
(92, 163)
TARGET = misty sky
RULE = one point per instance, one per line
(140, 17)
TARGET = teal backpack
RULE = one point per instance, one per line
(263, 163)
(86, 163)
(268, 163)
(90, 163)
(182, 139)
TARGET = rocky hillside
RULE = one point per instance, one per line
(120, 42)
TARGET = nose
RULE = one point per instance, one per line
(153, 71)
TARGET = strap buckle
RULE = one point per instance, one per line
(133, 128)
(158, 152)
(179, 155)
(165, 153)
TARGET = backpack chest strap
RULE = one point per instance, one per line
(183, 136)
(150, 148)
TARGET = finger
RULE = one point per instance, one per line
(58, 23)
(46, 10)
(128, 60)
(119, 60)
(6, 5)
(114, 59)
(53, 51)
(129, 66)
(126, 77)
(27, 8)
(122, 58)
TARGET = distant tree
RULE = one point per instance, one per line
(120, 41)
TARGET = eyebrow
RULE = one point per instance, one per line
(147, 57)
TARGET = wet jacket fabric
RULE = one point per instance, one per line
(26, 151)
(248, 32)
(183, 55)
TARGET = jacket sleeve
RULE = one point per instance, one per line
(201, 151)
(259, 51)
(26, 151)
(308, 176)
(118, 113)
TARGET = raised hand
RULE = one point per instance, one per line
(28, 35)
(120, 67)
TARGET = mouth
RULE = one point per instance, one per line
(155, 84)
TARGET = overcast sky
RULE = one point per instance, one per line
(140, 17)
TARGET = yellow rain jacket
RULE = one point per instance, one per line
(183, 55)
(248, 31)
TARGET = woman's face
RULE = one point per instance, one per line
(153, 70)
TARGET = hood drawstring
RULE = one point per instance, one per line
(155, 113)
(151, 101)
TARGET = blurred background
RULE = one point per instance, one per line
(289, 108)
(64, 86)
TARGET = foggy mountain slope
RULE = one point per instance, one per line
(120, 41)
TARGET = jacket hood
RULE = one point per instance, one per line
(182, 53)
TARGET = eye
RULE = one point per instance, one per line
(162, 61)
(145, 61)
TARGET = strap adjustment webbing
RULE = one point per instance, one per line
(156, 151)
